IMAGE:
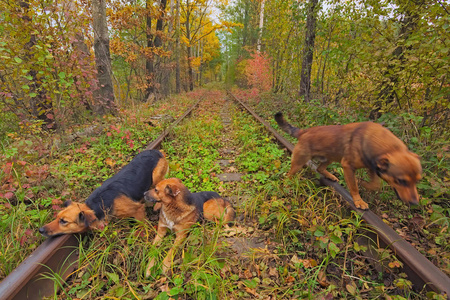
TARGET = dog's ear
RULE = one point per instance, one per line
(382, 164)
(87, 217)
(67, 203)
(172, 190)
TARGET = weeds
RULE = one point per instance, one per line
(292, 238)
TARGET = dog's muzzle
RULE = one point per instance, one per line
(43, 231)
(413, 201)
(148, 198)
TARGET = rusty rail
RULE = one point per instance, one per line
(421, 272)
(56, 257)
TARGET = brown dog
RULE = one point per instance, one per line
(180, 209)
(118, 196)
(358, 145)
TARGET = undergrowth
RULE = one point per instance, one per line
(292, 238)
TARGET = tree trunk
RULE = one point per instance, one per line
(261, 25)
(104, 95)
(41, 103)
(158, 40)
(189, 48)
(149, 67)
(310, 36)
(178, 50)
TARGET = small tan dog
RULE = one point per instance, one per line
(180, 209)
(356, 146)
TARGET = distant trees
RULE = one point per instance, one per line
(61, 59)
(168, 38)
(372, 55)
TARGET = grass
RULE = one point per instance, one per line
(39, 172)
(293, 239)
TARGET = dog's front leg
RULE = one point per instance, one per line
(350, 179)
(167, 262)
(162, 230)
(374, 182)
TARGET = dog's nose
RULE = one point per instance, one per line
(42, 230)
(414, 201)
(148, 197)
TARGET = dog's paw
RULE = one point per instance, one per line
(332, 177)
(361, 204)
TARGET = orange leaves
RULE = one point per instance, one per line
(110, 162)
(258, 72)
(307, 263)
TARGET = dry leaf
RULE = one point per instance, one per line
(273, 272)
(322, 278)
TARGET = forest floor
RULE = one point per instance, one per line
(292, 239)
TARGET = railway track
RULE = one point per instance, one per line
(59, 255)
(422, 272)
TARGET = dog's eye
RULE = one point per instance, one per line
(401, 182)
(156, 190)
(62, 222)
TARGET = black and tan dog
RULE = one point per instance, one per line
(356, 146)
(180, 209)
(118, 196)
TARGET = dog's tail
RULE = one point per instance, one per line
(294, 131)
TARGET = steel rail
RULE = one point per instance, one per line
(421, 272)
(56, 257)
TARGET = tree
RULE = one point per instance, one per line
(154, 43)
(197, 26)
(45, 78)
(261, 25)
(308, 50)
(104, 94)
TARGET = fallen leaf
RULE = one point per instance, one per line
(247, 274)
(322, 278)
(110, 162)
(251, 291)
(351, 288)
(273, 272)
(8, 195)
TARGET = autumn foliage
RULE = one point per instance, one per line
(258, 72)
(47, 71)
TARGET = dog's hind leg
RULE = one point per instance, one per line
(140, 213)
(322, 169)
(160, 171)
(298, 161)
(216, 209)
(374, 182)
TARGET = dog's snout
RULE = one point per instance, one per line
(414, 200)
(148, 197)
(43, 231)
